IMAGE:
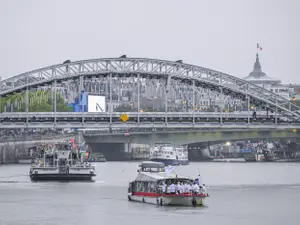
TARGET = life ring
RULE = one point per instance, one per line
(143, 200)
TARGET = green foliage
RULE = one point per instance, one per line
(39, 101)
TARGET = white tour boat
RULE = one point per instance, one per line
(61, 163)
(169, 154)
(148, 187)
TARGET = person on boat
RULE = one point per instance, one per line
(163, 188)
(179, 188)
(196, 188)
(173, 189)
(187, 188)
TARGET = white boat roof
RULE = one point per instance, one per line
(154, 176)
(151, 164)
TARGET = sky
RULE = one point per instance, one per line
(218, 34)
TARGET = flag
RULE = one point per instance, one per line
(170, 169)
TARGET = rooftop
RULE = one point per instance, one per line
(258, 75)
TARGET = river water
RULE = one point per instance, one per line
(241, 193)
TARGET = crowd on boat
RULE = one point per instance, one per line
(184, 187)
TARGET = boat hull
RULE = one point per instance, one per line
(169, 200)
(171, 162)
(61, 177)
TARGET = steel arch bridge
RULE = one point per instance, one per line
(141, 68)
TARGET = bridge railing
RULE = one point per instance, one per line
(243, 114)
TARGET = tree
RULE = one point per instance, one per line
(39, 101)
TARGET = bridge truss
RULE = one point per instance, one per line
(165, 73)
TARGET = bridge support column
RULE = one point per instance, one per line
(276, 110)
(127, 147)
(248, 108)
(138, 98)
(128, 150)
(54, 101)
(110, 99)
(193, 103)
(4, 154)
(166, 102)
(27, 104)
(222, 106)
(81, 91)
(1, 150)
(16, 154)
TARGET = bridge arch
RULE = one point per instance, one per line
(161, 69)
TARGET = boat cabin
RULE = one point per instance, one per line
(152, 167)
(151, 176)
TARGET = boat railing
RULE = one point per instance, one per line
(41, 167)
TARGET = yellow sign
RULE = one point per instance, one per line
(124, 117)
(294, 130)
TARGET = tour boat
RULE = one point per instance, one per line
(147, 187)
(61, 162)
(169, 154)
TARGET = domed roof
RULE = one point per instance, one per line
(258, 75)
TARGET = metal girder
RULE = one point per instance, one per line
(148, 67)
(87, 125)
(142, 120)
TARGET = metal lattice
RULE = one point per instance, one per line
(161, 69)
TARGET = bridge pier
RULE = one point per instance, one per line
(16, 154)
(128, 150)
(3, 155)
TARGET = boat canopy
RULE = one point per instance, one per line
(150, 166)
(160, 176)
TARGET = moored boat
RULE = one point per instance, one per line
(153, 185)
(169, 154)
(61, 163)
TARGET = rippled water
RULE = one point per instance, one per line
(241, 193)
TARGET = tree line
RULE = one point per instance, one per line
(38, 101)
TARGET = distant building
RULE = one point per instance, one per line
(258, 77)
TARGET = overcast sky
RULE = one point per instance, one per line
(218, 34)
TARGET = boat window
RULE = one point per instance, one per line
(144, 186)
(176, 180)
(145, 169)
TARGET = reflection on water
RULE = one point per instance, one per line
(241, 193)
